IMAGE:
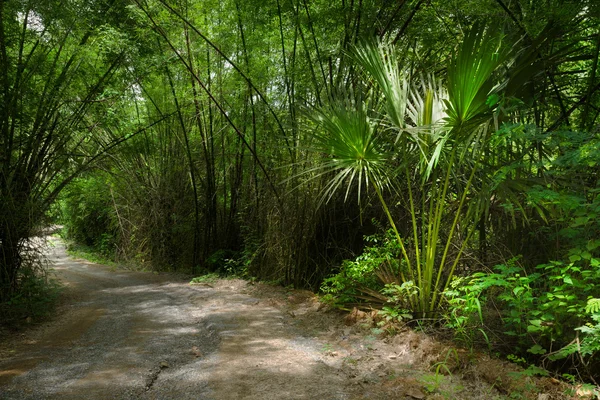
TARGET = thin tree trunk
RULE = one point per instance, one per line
(190, 159)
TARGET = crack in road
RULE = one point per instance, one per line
(154, 375)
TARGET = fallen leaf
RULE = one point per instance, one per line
(196, 351)
(415, 394)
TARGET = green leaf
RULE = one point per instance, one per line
(593, 306)
(355, 151)
(536, 349)
(535, 370)
(593, 244)
(470, 73)
(518, 290)
(492, 100)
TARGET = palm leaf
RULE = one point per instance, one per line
(380, 63)
(348, 138)
(470, 79)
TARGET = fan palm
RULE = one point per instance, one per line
(447, 130)
(355, 151)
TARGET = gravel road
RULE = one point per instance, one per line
(132, 335)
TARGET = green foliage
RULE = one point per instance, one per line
(393, 314)
(228, 263)
(35, 299)
(470, 78)
(586, 345)
(545, 311)
(464, 314)
(89, 253)
(356, 151)
(438, 150)
(208, 278)
(88, 214)
(54, 76)
(401, 295)
(205, 97)
(541, 312)
(361, 277)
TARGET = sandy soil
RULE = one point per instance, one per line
(132, 335)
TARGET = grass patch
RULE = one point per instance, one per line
(90, 254)
(208, 278)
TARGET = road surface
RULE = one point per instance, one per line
(133, 335)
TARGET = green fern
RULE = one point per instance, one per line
(593, 306)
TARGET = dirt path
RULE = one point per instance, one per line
(143, 336)
(133, 335)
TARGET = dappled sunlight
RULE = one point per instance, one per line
(136, 335)
(258, 358)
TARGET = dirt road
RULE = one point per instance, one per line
(145, 336)
(133, 335)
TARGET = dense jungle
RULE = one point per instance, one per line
(434, 161)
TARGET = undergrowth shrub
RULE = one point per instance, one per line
(37, 291)
(371, 280)
(87, 214)
(547, 317)
(545, 312)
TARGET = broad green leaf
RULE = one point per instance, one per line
(518, 290)
(533, 329)
(536, 349)
(593, 245)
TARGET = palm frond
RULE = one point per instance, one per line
(356, 155)
(426, 111)
(426, 107)
(470, 78)
(380, 63)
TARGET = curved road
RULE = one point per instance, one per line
(131, 335)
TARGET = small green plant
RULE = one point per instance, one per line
(377, 331)
(530, 371)
(35, 299)
(393, 315)
(442, 366)
(208, 278)
(516, 359)
(464, 316)
(328, 349)
(433, 383)
(90, 254)
(550, 314)
(362, 280)
(430, 382)
(399, 296)
(588, 345)
(350, 360)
